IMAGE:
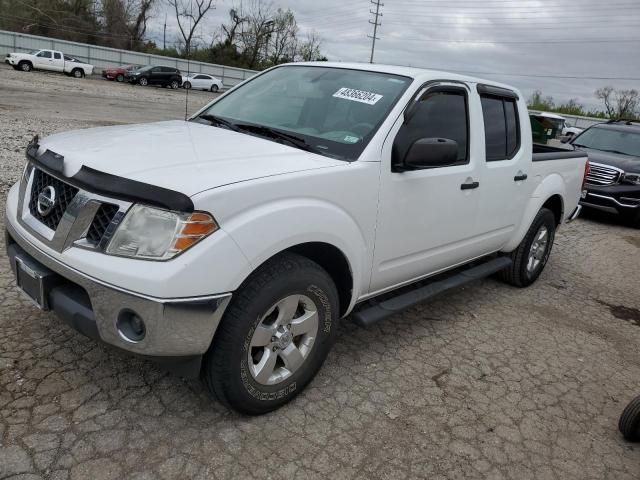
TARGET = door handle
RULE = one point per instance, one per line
(520, 177)
(469, 185)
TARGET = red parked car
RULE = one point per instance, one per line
(118, 73)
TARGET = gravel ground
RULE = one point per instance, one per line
(489, 382)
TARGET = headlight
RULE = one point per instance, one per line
(633, 178)
(154, 234)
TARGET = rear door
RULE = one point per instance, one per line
(427, 218)
(58, 62)
(505, 175)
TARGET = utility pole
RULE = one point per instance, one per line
(375, 24)
(164, 35)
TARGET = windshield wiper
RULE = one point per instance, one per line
(297, 142)
(216, 120)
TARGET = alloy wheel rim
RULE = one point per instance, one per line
(538, 249)
(283, 339)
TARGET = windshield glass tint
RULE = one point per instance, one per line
(335, 110)
(608, 139)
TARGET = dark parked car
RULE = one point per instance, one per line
(164, 76)
(119, 73)
(613, 185)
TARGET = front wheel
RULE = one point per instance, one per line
(25, 66)
(143, 81)
(274, 337)
(77, 73)
(531, 256)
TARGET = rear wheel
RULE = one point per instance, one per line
(120, 77)
(25, 66)
(629, 423)
(531, 256)
(214, 88)
(274, 336)
(174, 84)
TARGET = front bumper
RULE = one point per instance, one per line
(619, 198)
(176, 327)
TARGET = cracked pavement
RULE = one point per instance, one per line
(488, 382)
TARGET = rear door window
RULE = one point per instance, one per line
(57, 56)
(501, 128)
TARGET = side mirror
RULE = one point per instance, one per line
(566, 139)
(431, 152)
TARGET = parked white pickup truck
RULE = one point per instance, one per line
(231, 244)
(51, 60)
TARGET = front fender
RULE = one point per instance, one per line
(272, 227)
(551, 185)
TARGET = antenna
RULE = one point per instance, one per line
(186, 97)
(375, 24)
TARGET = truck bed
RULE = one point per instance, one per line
(543, 153)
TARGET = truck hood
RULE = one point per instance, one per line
(187, 157)
(627, 163)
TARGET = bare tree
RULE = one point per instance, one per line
(606, 95)
(284, 37)
(188, 15)
(125, 21)
(236, 18)
(619, 103)
(627, 102)
(257, 31)
(310, 48)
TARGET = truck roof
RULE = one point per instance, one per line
(423, 74)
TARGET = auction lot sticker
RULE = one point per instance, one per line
(369, 98)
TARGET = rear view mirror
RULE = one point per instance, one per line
(431, 152)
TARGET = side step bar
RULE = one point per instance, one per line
(373, 311)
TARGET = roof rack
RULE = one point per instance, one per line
(628, 121)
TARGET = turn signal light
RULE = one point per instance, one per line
(194, 229)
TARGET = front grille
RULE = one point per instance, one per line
(64, 194)
(603, 175)
(100, 222)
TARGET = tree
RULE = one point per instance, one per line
(284, 37)
(538, 102)
(310, 48)
(619, 103)
(125, 22)
(188, 19)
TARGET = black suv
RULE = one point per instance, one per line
(164, 76)
(613, 184)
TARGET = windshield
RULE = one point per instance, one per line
(34, 52)
(335, 111)
(610, 140)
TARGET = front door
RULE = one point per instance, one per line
(44, 59)
(427, 218)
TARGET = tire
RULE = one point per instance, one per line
(25, 66)
(77, 73)
(214, 88)
(120, 78)
(143, 81)
(629, 423)
(187, 85)
(174, 84)
(523, 271)
(632, 219)
(231, 368)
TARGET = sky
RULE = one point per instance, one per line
(530, 44)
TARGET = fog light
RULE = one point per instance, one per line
(130, 326)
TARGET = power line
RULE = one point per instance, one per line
(375, 24)
(534, 75)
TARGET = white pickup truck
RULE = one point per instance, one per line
(231, 244)
(51, 60)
